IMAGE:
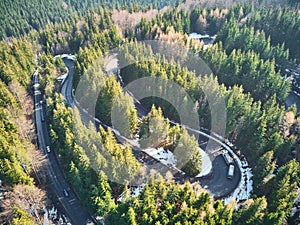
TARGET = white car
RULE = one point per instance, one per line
(230, 172)
(66, 193)
(48, 149)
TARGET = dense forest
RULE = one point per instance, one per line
(20, 161)
(38, 14)
(251, 43)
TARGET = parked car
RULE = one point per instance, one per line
(230, 172)
(227, 158)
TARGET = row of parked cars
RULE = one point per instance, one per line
(230, 163)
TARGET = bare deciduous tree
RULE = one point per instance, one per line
(24, 117)
(29, 198)
(126, 20)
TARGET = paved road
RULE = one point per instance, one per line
(66, 89)
(218, 184)
(38, 110)
(57, 181)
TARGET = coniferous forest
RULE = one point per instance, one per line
(254, 63)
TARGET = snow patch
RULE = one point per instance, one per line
(164, 156)
(64, 76)
(198, 36)
(244, 189)
(206, 166)
(136, 191)
(207, 39)
(68, 56)
(51, 217)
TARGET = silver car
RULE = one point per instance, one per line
(66, 193)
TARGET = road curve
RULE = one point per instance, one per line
(66, 89)
(217, 184)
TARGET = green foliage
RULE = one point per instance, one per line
(48, 72)
(248, 69)
(17, 61)
(124, 115)
(208, 20)
(101, 196)
(16, 66)
(21, 17)
(179, 19)
(112, 105)
(167, 203)
(251, 212)
(188, 148)
(245, 38)
(21, 217)
(85, 156)
(253, 126)
(198, 20)
(96, 29)
(281, 24)
(30, 14)
(245, 57)
(264, 168)
(155, 131)
(250, 124)
(108, 94)
(59, 63)
(286, 181)
(6, 97)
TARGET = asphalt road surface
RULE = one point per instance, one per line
(66, 89)
(57, 181)
(293, 99)
(218, 184)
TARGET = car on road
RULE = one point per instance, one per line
(227, 158)
(66, 193)
(48, 149)
(230, 172)
(37, 85)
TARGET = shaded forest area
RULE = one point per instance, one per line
(20, 17)
(243, 58)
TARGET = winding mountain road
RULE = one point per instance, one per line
(57, 181)
(217, 184)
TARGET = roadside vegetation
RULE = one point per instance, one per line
(252, 44)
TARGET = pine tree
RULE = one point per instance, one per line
(153, 129)
(187, 153)
(103, 200)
